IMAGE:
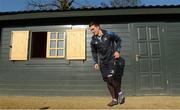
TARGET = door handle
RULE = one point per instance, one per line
(137, 58)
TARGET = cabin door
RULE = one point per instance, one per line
(148, 58)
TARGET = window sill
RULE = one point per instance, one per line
(45, 61)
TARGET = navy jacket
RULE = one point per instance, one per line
(103, 47)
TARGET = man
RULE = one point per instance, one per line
(105, 48)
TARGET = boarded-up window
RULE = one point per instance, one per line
(55, 45)
(75, 44)
(19, 45)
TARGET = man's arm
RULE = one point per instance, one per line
(94, 53)
(117, 44)
(117, 40)
(95, 56)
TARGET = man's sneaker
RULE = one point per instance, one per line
(122, 101)
(112, 103)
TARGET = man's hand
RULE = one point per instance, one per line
(116, 55)
(96, 66)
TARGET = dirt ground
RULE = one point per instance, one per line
(88, 102)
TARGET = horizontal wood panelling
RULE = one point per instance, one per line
(53, 87)
(53, 82)
(173, 54)
(59, 76)
(55, 92)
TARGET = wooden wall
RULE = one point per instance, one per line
(59, 76)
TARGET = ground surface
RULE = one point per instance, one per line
(88, 102)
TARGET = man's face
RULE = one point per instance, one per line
(94, 29)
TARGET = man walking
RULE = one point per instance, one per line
(105, 48)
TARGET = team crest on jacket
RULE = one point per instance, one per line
(112, 71)
(105, 39)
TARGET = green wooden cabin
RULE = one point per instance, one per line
(47, 53)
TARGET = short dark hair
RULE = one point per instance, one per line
(93, 23)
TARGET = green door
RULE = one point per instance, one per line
(148, 58)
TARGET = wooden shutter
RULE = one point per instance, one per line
(75, 44)
(19, 45)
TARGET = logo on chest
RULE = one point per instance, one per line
(105, 39)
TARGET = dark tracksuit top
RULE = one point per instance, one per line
(103, 48)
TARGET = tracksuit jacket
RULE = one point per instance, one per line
(103, 47)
